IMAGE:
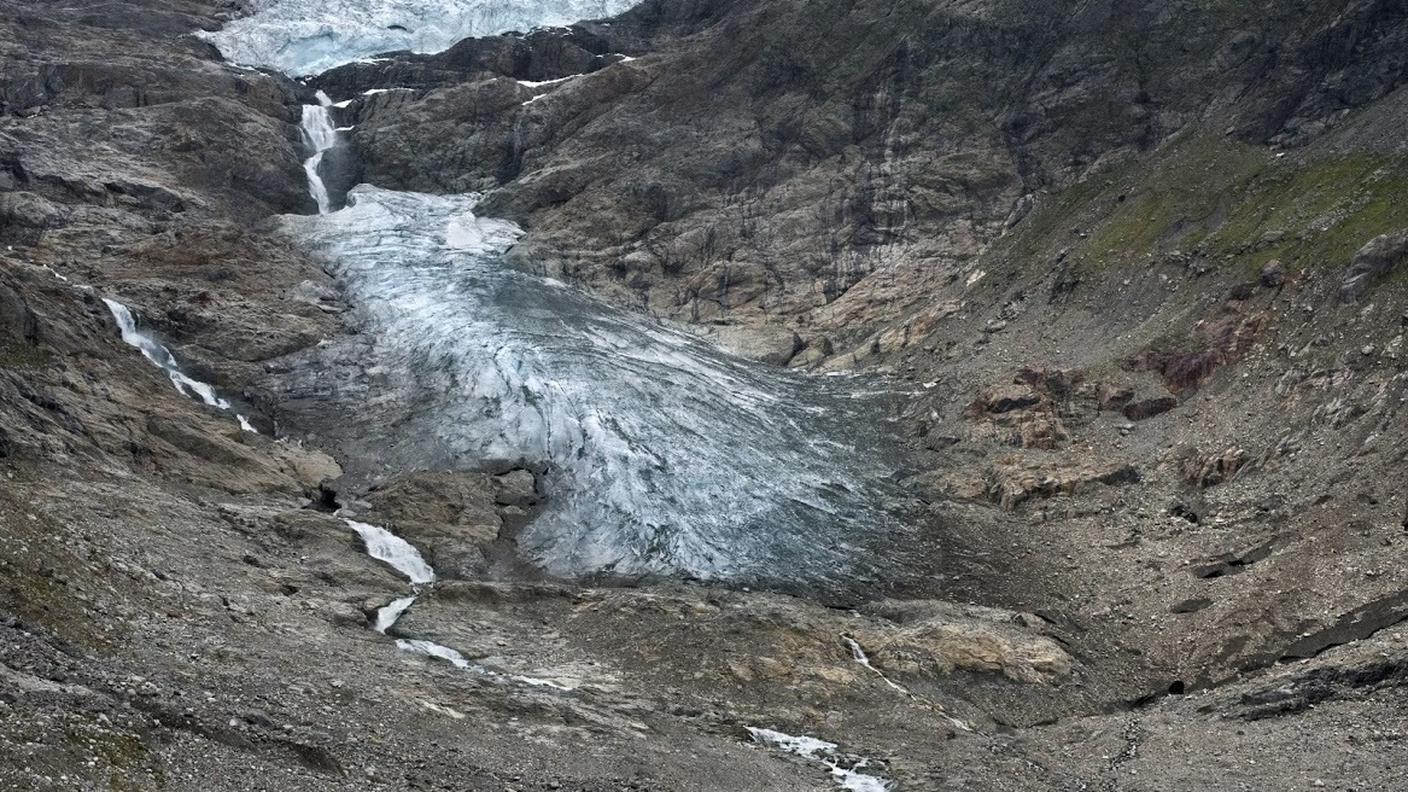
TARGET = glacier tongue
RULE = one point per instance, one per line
(304, 37)
(664, 456)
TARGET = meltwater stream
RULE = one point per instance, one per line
(663, 455)
(321, 136)
(158, 355)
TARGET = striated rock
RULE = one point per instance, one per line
(1013, 482)
(936, 638)
(1213, 469)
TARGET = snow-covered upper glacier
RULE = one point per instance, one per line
(303, 37)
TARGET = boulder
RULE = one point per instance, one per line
(1004, 399)
(1273, 274)
(1145, 409)
(1376, 259)
(1213, 469)
(1010, 483)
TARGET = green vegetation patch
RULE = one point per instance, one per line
(16, 354)
(34, 570)
(1228, 203)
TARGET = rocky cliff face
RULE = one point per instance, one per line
(1132, 271)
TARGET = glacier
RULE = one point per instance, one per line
(304, 37)
(662, 455)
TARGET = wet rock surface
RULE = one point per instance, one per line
(1155, 481)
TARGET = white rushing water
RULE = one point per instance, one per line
(665, 456)
(320, 136)
(845, 771)
(385, 546)
(394, 551)
(858, 654)
(388, 615)
(303, 37)
(161, 357)
(432, 649)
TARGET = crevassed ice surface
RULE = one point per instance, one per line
(302, 37)
(665, 456)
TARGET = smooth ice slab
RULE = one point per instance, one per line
(302, 37)
(664, 456)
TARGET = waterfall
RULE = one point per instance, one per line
(321, 136)
(396, 552)
(387, 616)
(161, 357)
(387, 547)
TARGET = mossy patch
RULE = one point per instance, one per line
(129, 762)
(1319, 212)
(35, 568)
(16, 354)
(1227, 203)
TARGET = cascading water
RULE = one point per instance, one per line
(161, 357)
(320, 136)
(394, 551)
(665, 456)
(845, 770)
(402, 556)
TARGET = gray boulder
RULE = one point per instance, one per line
(1373, 261)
